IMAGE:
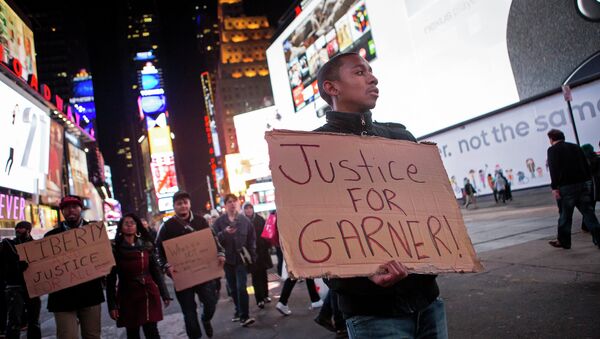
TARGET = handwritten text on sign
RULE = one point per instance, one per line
(194, 259)
(66, 259)
(346, 204)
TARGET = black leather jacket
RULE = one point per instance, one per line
(360, 296)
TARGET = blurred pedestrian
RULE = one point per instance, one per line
(492, 184)
(17, 299)
(182, 223)
(77, 308)
(286, 292)
(237, 235)
(572, 187)
(593, 161)
(150, 230)
(136, 301)
(263, 262)
(330, 317)
(501, 186)
(391, 303)
(469, 193)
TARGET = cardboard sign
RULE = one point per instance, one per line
(66, 259)
(346, 204)
(194, 259)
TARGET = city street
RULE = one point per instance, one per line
(528, 289)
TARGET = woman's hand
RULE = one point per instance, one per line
(114, 314)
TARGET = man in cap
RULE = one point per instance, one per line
(182, 223)
(76, 308)
(17, 298)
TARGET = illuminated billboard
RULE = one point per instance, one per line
(438, 62)
(339, 27)
(78, 172)
(162, 166)
(160, 140)
(24, 141)
(53, 192)
(152, 104)
(17, 40)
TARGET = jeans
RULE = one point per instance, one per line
(288, 286)
(207, 294)
(88, 318)
(428, 323)
(261, 284)
(18, 302)
(580, 196)
(237, 278)
(150, 331)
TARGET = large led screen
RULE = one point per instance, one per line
(337, 27)
(17, 40)
(24, 141)
(78, 172)
(153, 104)
(54, 178)
(438, 62)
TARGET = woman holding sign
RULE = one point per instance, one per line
(136, 301)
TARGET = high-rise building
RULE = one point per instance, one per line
(242, 78)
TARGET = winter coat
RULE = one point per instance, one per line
(141, 285)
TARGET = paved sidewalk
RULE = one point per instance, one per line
(529, 289)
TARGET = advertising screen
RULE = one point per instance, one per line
(55, 165)
(83, 87)
(163, 175)
(17, 40)
(24, 141)
(438, 62)
(153, 104)
(515, 140)
(150, 81)
(336, 27)
(78, 172)
(160, 140)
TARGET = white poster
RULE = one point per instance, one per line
(515, 140)
(24, 142)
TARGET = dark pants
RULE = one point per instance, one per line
(207, 294)
(428, 323)
(331, 310)
(580, 196)
(495, 195)
(260, 284)
(150, 331)
(17, 303)
(3, 313)
(237, 279)
(288, 286)
(279, 253)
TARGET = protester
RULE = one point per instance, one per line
(76, 308)
(185, 222)
(137, 299)
(150, 230)
(263, 258)
(469, 194)
(17, 298)
(593, 161)
(3, 317)
(391, 303)
(238, 237)
(572, 187)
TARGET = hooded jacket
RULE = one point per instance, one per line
(360, 296)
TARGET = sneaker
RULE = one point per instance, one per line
(208, 328)
(247, 322)
(267, 300)
(235, 318)
(316, 304)
(283, 309)
(261, 304)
